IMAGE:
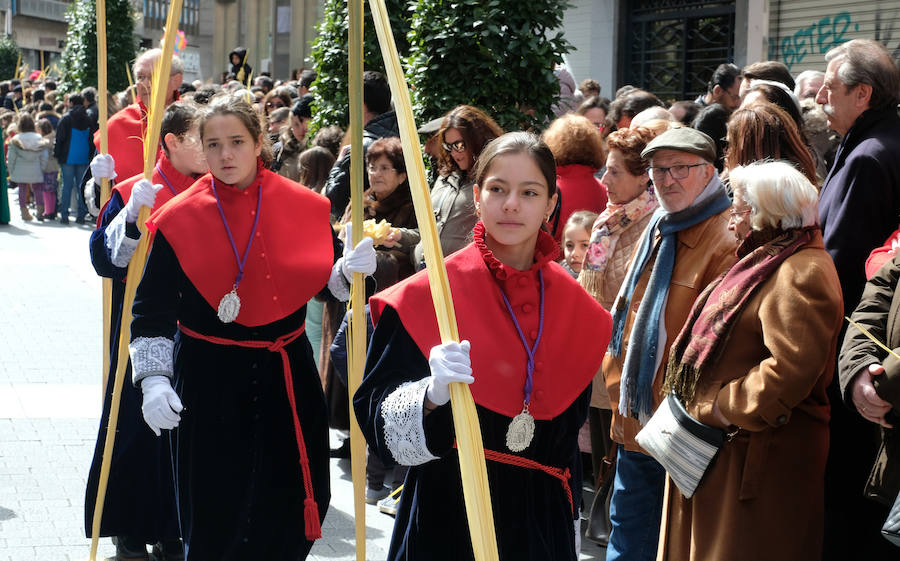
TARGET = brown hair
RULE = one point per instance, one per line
(25, 123)
(236, 105)
(573, 139)
(315, 163)
(390, 148)
(476, 129)
(630, 143)
(762, 131)
(281, 93)
(581, 219)
(518, 143)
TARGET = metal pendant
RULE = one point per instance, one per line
(520, 431)
(229, 306)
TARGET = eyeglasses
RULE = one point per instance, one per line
(383, 169)
(458, 146)
(733, 214)
(272, 105)
(677, 172)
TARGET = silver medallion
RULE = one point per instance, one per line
(520, 431)
(229, 306)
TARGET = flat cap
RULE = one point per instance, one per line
(431, 126)
(683, 139)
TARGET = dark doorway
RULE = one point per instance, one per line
(673, 46)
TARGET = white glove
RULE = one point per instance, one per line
(90, 198)
(103, 165)
(161, 405)
(142, 194)
(449, 362)
(360, 259)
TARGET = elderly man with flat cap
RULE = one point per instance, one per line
(685, 246)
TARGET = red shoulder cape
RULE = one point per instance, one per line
(125, 134)
(292, 252)
(576, 332)
(180, 183)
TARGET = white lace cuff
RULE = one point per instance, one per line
(337, 282)
(404, 431)
(121, 247)
(151, 356)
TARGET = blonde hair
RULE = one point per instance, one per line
(779, 194)
(581, 219)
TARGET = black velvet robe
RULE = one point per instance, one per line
(238, 478)
(140, 495)
(532, 514)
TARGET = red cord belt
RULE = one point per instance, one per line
(563, 474)
(312, 525)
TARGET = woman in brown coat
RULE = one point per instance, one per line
(755, 358)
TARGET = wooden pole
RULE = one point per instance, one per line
(138, 260)
(104, 184)
(472, 467)
(357, 340)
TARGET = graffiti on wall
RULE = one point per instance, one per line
(830, 31)
(820, 36)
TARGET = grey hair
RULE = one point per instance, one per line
(805, 77)
(153, 54)
(779, 194)
(864, 61)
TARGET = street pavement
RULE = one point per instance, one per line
(50, 399)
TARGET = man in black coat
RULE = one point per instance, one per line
(380, 122)
(859, 208)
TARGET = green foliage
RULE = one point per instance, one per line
(329, 55)
(79, 59)
(9, 54)
(497, 55)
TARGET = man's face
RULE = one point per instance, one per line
(678, 193)
(729, 98)
(811, 87)
(143, 78)
(841, 104)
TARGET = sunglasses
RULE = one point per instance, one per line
(458, 146)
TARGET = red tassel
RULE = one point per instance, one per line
(312, 525)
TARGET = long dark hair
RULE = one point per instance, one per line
(476, 129)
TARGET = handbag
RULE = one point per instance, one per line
(684, 446)
(891, 528)
(599, 525)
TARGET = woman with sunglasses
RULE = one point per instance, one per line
(463, 134)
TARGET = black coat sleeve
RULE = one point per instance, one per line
(156, 300)
(394, 359)
(101, 258)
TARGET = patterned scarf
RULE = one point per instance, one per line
(639, 369)
(713, 316)
(605, 234)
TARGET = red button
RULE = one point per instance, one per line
(252, 212)
(258, 234)
(263, 255)
(268, 277)
(274, 298)
(523, 281)
(527, 308)
(533, 334)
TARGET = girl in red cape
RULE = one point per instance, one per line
(532, 340)
(219, 350)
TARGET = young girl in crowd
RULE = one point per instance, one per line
(26, 157)
(576, 239)
(51, 172)
(514, 306)
(222, 316)
(140, 497)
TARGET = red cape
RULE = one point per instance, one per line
(125, 132)
(576, 328)
(292, 252)
(179, 181)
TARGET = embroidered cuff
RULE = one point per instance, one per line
(337, 282)
(404, 432)
(151, 356)
(121, 246)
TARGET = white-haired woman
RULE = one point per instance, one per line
(755, 358)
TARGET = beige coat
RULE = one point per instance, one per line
(762, 497)
(705, 251)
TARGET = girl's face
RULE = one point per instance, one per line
(383, 178)
(621, 185)
(514, 201)
(186, 152)
(460, 153)
(575, 244)
(299, 126)
(231, 151)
